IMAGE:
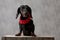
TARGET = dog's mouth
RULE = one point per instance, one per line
(24, 14)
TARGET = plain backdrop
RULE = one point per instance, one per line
(46, 16)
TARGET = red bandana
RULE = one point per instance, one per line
(25, 21)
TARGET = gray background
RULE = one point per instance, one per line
(46, 16)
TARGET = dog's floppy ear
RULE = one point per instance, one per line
(18, 11)
(30, 11)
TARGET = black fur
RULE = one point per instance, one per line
(28, 29)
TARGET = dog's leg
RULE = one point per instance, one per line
(32, 30)
(26, 30)
(20, 28)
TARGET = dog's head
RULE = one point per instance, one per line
(24, 10)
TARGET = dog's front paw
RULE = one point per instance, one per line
(19, 34)
(32, 34)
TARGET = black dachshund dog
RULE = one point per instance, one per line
(25, 22)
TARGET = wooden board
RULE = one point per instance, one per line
(12, 37)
